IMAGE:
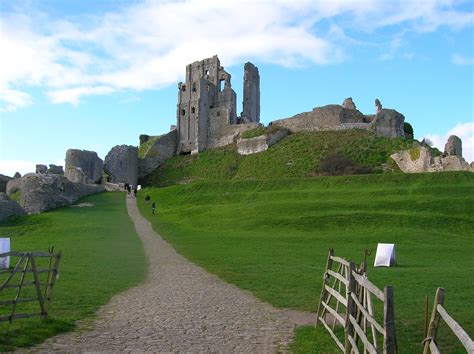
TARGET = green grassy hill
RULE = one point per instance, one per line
(272, 236)
(298, 155)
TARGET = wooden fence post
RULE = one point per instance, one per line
(325, 281)
(349, 328)
(434, 321)
(390, 339)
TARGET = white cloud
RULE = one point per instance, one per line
(9, 167)
(458, 59)
(72, 95)
(12, 99)
(146, 44)
(465, 131)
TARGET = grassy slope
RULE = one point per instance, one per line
(295, 156)
(101, 256)
(272, 237)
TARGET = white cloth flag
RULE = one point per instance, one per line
(4, 248)
(385, 256)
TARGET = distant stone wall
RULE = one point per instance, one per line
(86, 161)
(121, 164)
(162, 149)
(260, 143)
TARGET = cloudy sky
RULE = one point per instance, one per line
(92, 74)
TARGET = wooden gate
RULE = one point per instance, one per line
(439, 312)
(26, 288)
(347, 299)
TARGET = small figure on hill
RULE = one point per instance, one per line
(153, 206)
(129, 189)
(125, 186)
(147, 199)
(378, 106)
(135, 192)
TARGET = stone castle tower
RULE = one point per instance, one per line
(207, 102)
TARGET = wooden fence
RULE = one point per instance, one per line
(30, 281)
(346, 299)
(439, 312)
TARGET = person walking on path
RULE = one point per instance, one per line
(153, 206)
(135, 192)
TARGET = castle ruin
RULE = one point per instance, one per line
(206, 109)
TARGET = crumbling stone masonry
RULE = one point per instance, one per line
(207, 105)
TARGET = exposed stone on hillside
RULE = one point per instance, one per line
(453, 146)
(121, 164)
(349, 104)
(13, 185)
(9, 207)
(330, 117)
(260, 143)
(41, 192)
(378, 106)
(3, 182)
(161, 150)
(17, 175)
(89, 163)
(419, 159)
(55, 170)
(388, 122)
(77, 175)
(41, 168)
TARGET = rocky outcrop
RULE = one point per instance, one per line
(13, 185)
(17, 175)
(55, 170)
(349, 104)
(330, 117)
(41, 168)
(87, 161)
(260, 143)
(163, 148)
(389, 123)
(9, 207)
(453, 146)
(3, 182)
(77, 175)
(419, 159)
(41, 192)
(121, 164)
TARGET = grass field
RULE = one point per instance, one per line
(272, 236)
(102, 256)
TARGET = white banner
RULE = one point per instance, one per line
(4, 248)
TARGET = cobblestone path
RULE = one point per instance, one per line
(180, 307)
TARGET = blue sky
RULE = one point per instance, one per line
(93, 74)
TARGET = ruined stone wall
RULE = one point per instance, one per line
(251, 99)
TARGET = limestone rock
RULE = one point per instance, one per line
(55, 170)
(77, 175)
(160, 151)
(44, 192)
(143, 138)
(389, 123)
(349, 104)
(13, 185)
(260, 143)
(87, 161)
(453, 146)
(3, 182)
(415, 160)
(378, 106)
(17, 175)
(121, 164)
(9, 207)
(41, 168)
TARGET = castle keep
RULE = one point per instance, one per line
(206, 109)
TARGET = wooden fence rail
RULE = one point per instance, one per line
(439, 312)
(346, 298)
(27, 264)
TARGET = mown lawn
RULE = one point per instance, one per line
(102, 255)
(272, 236)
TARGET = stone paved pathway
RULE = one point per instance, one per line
(180, 307)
